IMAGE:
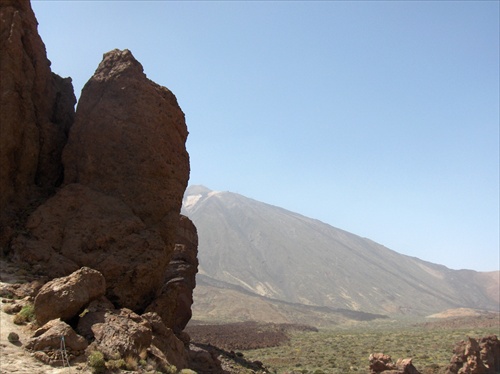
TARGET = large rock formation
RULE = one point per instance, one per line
(128, 141)
(83, 227)
(37, 109)
(97, 194)
(476, 356)
(126, 169)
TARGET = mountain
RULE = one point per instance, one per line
(283, 256)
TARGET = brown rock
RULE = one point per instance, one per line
(164, 340)
(405, 366)
(49, 336)
(37, 109)
(82, 227)
(128, 141)
(65, 297)
(93, 313)
(126, 168)
(380, 362)
(15, 306)
(122, 333)
(490, 352)
(204, 361)
(473, 356)
(176, 297)
(21, 290)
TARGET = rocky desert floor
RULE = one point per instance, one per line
(13, 357)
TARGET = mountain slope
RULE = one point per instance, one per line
(283, 255)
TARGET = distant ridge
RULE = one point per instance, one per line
(281, 255)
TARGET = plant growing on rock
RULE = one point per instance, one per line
(25, 315)
(96, 362)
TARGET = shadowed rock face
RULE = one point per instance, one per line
(37, 109)
(128, 141)
(176, 297)
(126, 169)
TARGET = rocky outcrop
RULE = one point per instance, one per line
(123, 333)
(92, 200)
(382, 363)
(176, 296)
(37, 109)
(126, 169)
(49, 336)
(82, 227)
(128, 141)
(66, 297)
(473, 356)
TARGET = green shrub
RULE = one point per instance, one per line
(25, 315)
(116, 364)
(96, 362)
(170, 369)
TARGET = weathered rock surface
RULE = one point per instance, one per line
(166, 347)
(176, 296)
(49, 336)
(37, 109)
(204, 360)
(93, 313)
(473, 356)
(82, 227)
(65, 297)
(128, 141)
(126, 169)
(122, 333)
(382, 363)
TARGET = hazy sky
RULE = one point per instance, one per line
(379, 118)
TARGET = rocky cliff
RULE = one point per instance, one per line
(100, 189)
(37, 109)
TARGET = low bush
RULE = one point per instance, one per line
(25, 315)
(96, 362)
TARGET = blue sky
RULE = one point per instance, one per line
(380, 118)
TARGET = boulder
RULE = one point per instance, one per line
(37, 109)
(65, 297)
(122, 333)
(176, 296)
(490, 352)
(173, 350)
(382, 363)
(471, 356)
(49, 337)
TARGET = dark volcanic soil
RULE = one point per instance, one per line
(243, 335)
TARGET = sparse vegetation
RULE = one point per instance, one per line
(96, 362)
(346, 351)
(131, 362)
(25, 315)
